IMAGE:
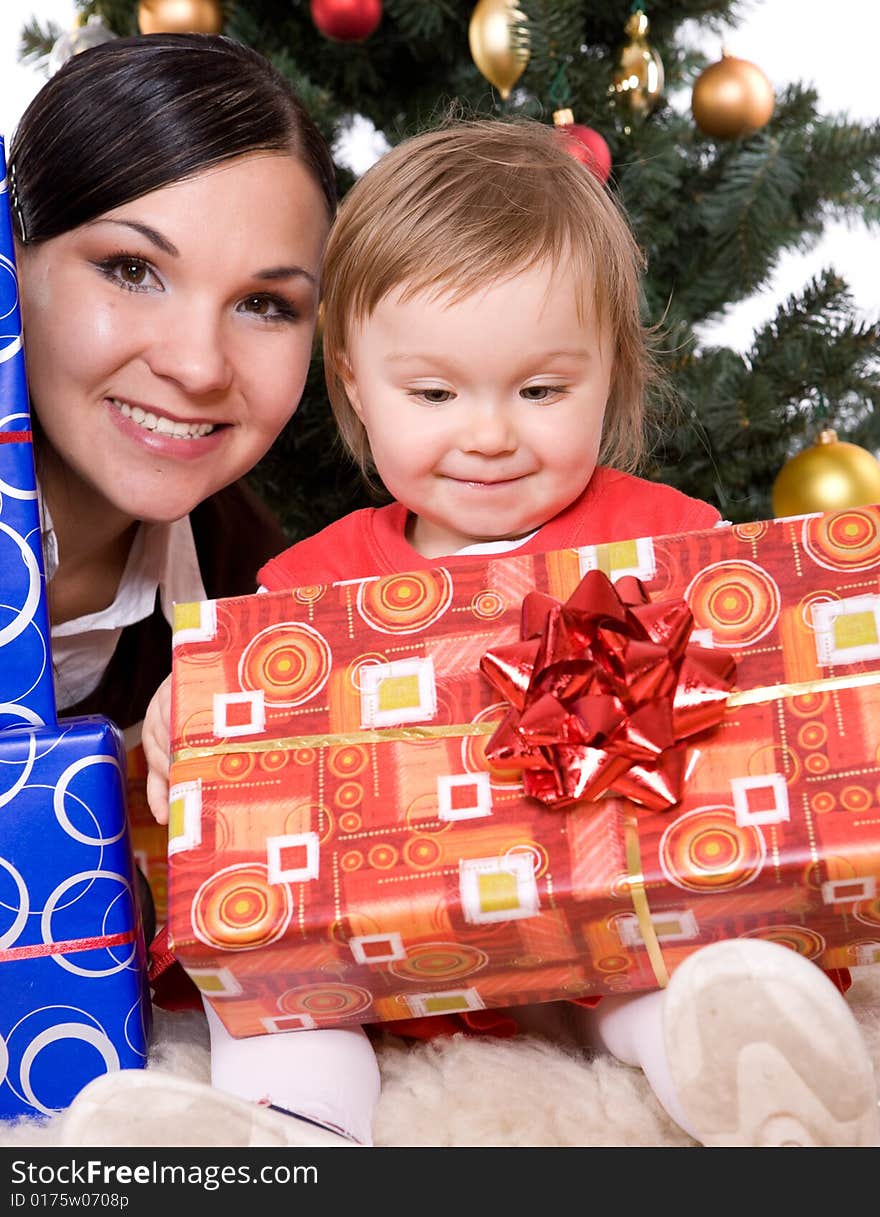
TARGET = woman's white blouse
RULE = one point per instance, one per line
(163, 558)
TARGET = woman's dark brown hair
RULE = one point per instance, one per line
(132, 115)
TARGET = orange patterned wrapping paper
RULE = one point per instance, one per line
(340, 852)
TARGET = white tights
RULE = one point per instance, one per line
(330, 1076)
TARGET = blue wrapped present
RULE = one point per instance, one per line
(74, 997)
(26, 693)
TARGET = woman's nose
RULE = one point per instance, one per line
(192, 351)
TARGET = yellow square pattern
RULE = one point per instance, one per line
(618, 555)
(209, 984)
(176, 817)
(663, 929)
(399, 693)
(444, 1003)
(188, 616)
(855, 630)
(497, 891)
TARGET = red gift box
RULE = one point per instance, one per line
(341, 851)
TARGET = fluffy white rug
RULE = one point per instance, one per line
(483, 1092)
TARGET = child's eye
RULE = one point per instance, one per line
(541, 392)
(269, 307)
(133, 273)
(434, 397)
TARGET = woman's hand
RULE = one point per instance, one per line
(156, 743)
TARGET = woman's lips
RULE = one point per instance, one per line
(160, 423)
(164, 436)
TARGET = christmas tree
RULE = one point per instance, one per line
(716, 192)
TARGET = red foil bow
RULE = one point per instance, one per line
(604, 690)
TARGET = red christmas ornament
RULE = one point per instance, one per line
(584, 144)
(346, 20)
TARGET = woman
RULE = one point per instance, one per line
(171, 199)
(169, 239)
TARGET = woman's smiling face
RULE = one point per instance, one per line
(168, 340)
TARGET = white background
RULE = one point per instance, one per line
(830, 46)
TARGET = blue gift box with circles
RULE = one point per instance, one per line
(26, 694)
(74, 1001)
(74, 998)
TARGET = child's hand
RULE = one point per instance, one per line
(156, 743)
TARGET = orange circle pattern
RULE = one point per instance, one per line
(855, 798)
(822, 802)
(752, 531)
(274, 760)
(843, 540)
(233, 766)
(238, 908)
(801, 939)
(705, 850)
(325, 1001)
(382, 857)
(310, 594)
(487, 605)
(349, 794)
(290, 662)
(402, 604)
(421, 852)
(347, 761)
(738, 601)
(439, 961)
(812, 735)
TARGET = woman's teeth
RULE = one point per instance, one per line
(164, 426)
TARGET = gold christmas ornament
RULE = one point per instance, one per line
(637, 78)
(180, 17)
(498, 45)
(732, 98)
(828, 476)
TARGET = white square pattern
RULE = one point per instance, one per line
(498, 889)
(760, 800)
(451, 801)
(847, 631)
(403, 691)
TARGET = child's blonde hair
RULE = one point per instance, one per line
(472, 202)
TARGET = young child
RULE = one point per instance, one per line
(486, 359)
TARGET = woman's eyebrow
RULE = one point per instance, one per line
(145, 230)
(286, 272)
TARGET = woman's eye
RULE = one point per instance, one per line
(273, 308)
(132, 273)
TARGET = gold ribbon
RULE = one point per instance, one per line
(375, 735)
(639, 897)
(378, 735)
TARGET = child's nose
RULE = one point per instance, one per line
(489, 430)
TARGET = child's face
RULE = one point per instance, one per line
(484, 416)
